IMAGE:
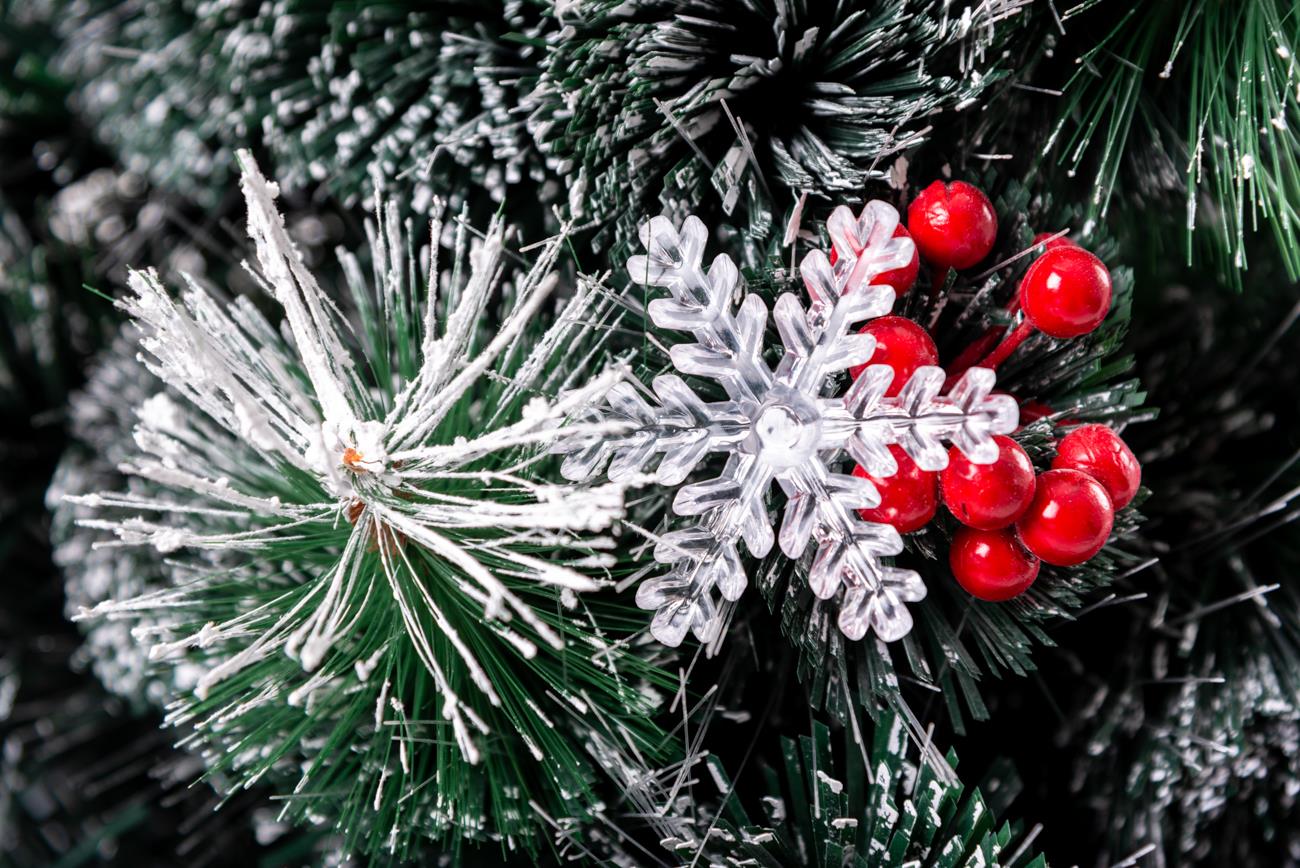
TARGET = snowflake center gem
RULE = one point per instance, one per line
(787, 429)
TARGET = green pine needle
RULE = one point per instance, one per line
(848, 810)
(1210, 88)
(736, 108)
(363, 591)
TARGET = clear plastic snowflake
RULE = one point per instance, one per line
(782, 426)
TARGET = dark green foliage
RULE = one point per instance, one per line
(84, 781)
(737, 107)
(30, 92)
(426, 90)
(147, 79)
(1186, 735)
(1158, 719)
(45, 333)
(848, 810)
(429, 90)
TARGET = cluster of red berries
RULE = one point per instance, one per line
(1012, 518)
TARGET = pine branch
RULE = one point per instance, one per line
(828, 809)
(736, 108)
(371, 595)
(1202, 94)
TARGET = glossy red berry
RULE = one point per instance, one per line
(988, 496)
(1097, 451)
(901, 279)
(1069, 519)
(1051, 243)
(991, 564)
(901, 344)
(908, 499)
(954, 225)
(1066, 292)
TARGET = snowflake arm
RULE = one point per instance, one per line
(921, 421)
(705, 556)
(680, 427)
(729, 347)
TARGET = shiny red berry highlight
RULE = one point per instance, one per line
(901, 344)
(954, 225)
(908, 499)
(1066, 292)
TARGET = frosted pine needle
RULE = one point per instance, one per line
(369, 561)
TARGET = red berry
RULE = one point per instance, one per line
(908, 499)
(1069, 519)
(901, 344)
(1097, 451)
(1066, 292)
(991, 564)
(1050, 243)
(989, 496)
(954, 225)
(901, 279)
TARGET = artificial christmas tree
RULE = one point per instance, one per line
(470, 507)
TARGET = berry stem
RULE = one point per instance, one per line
(975, 351)
(995, 356)
(938, 277)
(979, 347)
(1008, 346)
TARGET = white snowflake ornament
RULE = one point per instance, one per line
(782, 426)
